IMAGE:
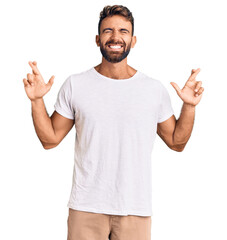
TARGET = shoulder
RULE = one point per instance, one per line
(157, 83)
(80, 78)
(81, 74)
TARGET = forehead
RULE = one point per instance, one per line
(116, 22)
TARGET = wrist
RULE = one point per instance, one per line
(36, 101)
(188, 107)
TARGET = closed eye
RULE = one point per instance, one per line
(106, 30)
(124, 31)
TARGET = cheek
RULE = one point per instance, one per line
(129, 42)
(103, 41)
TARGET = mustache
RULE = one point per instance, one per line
(113, 42)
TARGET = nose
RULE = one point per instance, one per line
(115, 34)
(116, 38)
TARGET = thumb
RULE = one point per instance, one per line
(176, 87)
(50, 82)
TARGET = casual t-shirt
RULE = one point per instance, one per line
(116, 123)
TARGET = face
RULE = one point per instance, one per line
(115, 39)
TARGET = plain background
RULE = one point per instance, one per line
(173, 37)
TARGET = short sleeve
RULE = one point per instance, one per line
(165, 110)
(63, 103)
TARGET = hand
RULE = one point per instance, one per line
(192, 91)
(34, 85)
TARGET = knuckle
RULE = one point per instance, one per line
(30, 76)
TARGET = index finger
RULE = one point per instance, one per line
(33, 65)
(194, 74)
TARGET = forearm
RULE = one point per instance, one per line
(184, 126)
(42, 122)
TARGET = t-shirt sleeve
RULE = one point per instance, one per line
(63, 103)
(165, 110)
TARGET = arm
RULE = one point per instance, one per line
(176, 133)
(50, 130)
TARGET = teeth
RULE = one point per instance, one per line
(115, 47)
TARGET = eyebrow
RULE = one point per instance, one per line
(122, 29)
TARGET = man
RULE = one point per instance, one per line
(117, 112)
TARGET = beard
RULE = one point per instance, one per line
(114, 57)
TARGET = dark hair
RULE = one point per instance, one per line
(109, 11)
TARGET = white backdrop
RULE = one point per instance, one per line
(173, 37)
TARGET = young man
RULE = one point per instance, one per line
(117, 111)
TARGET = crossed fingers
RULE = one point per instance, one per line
(33, 65)
(198, 87)
(30, 77)
(194, 74)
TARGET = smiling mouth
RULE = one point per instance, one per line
(115, 47)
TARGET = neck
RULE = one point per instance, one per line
(119, 70)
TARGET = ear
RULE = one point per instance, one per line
(97, 40)
(134, 40)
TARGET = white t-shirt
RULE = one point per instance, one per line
(116, 123)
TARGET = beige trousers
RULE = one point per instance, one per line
(97, 226)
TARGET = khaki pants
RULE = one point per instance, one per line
(97, 226)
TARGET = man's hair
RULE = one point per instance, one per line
(109, 11)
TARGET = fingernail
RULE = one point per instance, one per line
(196, 90)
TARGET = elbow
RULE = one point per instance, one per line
(178, 148)
(48, 146)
